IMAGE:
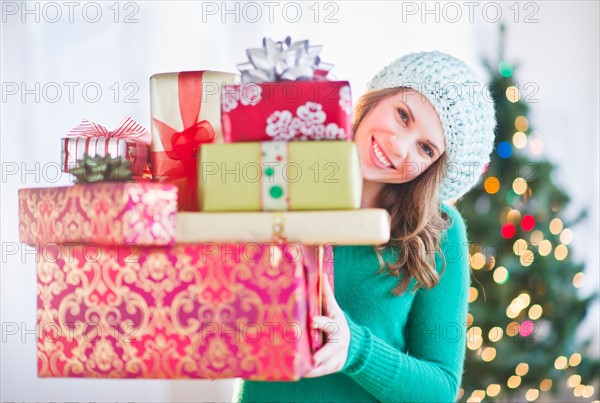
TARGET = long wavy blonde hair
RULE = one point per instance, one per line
(416, 218)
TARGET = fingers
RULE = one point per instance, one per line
(330, 304)
(325, 323)
(331, 357)
(319, 371)
(325, 362)
(325, 354)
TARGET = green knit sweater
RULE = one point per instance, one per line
(402, 348)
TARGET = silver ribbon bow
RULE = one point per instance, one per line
(284, 61)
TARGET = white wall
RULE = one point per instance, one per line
(560, 53)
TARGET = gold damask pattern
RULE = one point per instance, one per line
(183, 311)
(141, 213)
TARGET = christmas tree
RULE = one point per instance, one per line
(524, 301)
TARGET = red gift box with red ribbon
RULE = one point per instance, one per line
(186, 113)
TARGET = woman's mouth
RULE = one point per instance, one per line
(378, 156)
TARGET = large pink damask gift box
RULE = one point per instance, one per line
(140, 213)
(210, 310)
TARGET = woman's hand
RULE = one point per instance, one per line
(332, 356)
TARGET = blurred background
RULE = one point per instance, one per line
(63, 61)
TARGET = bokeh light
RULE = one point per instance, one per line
(578, 280)
(495, 334)
(477, 261)
(536, 237)
(536, 145)
(493, 390)
(512, 329)
(527, 223)
(473, 294)
(588, 391)
(556, 225)
(474, 339)
(535, 312)
(504, 150)
(513, 94)
(491, 185)
(521, 123)
(514, 216)
(561, 252)
(512, 198)
(519, 247)
(519, 140)
(527, 258)
(522, 369)
(527, 327)
(500, 275)
(545, 247)
(488, 354)
(514, 381)
(561, 362)
(566, 236)
(574, 380)
(532, 394)
(546, 385)
(505, 69)
(519, 186)
(508, 230)
(575, 359)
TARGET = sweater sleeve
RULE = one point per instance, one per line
(432, 368)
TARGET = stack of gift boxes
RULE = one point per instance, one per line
(214, 268)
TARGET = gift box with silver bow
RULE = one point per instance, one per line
(285, 96)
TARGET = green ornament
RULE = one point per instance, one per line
(505, 69)
(276, 192)
(269, 171)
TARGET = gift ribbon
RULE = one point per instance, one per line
(178, 160)
(282, 61)
(274, 183)
(321, 257)
(94, 139)
(128, 129)
(75, 149)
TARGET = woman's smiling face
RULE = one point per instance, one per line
(399, 138)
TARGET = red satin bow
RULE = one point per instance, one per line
(178, 161)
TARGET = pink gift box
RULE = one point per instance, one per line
(211, 310)
(141, 213)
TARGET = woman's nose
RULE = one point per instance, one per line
(399, 146)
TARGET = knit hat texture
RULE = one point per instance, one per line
(464, 106)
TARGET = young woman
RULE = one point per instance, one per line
(396, 325)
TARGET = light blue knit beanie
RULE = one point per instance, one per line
(464, 106)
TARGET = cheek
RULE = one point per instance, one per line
(361, 141)
(413, 170)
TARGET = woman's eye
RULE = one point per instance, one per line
(403, 115)
(428, 150)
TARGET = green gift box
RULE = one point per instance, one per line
(279, 176)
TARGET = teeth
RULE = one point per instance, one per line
(380, 155)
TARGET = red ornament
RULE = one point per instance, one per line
(527, 223)
(508, 230)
